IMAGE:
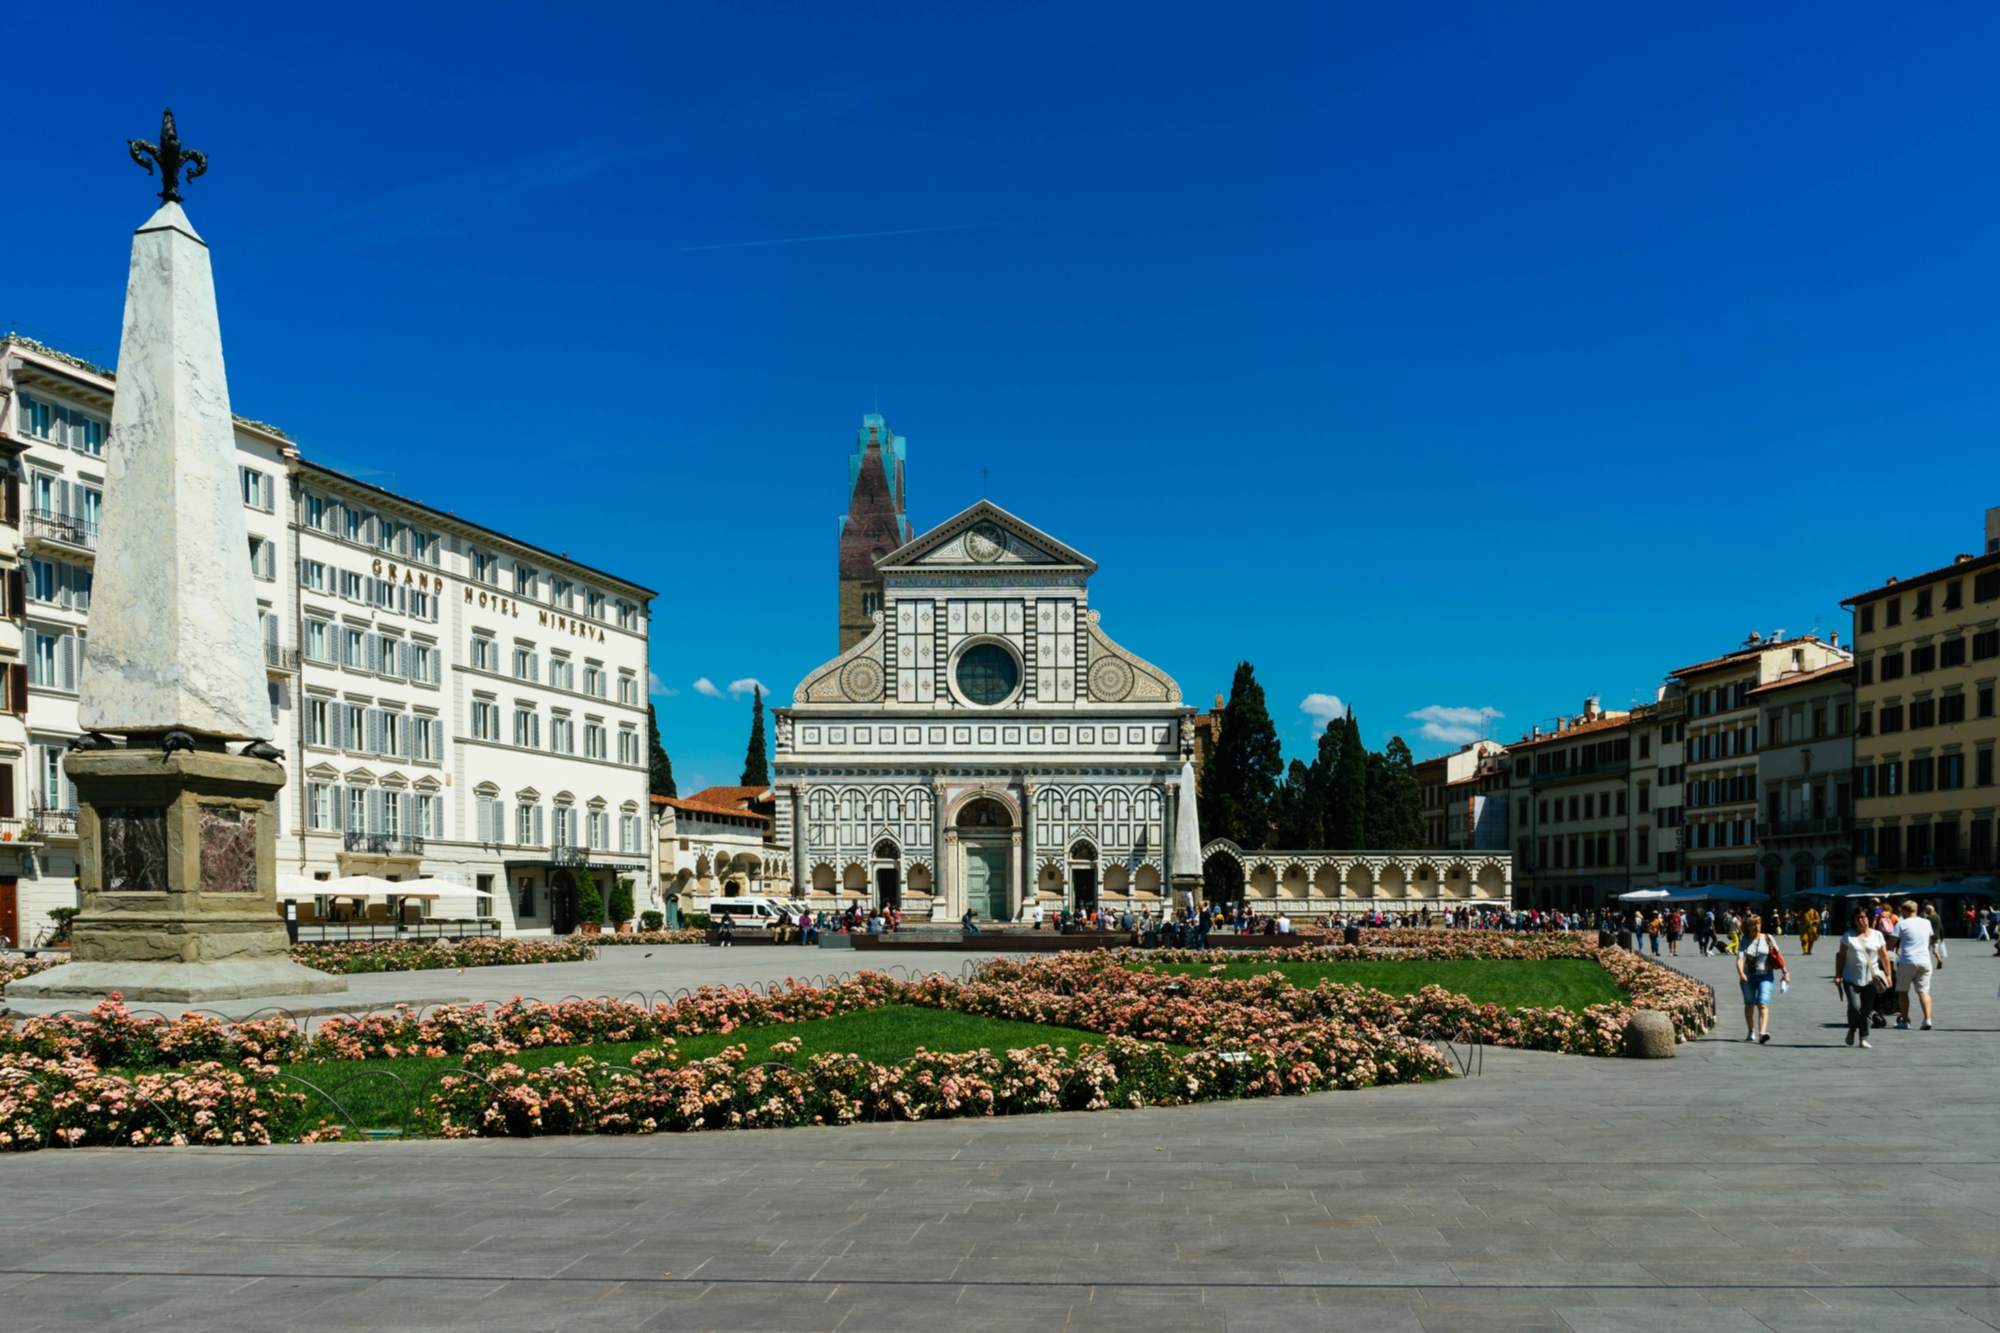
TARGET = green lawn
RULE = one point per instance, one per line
(883, 1035)
(1559, 983)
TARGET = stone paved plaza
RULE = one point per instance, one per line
(1799, 1186)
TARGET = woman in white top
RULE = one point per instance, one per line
(1758, 965)
(1857, 967)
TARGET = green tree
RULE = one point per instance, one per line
(1395, 802)
(1347, 806)
(1240, 777)
(621, 900)
(661, 777)
(1318, 817)
(1295, 821)
(756, 765)
(589, 902)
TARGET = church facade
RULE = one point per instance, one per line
(984, 745)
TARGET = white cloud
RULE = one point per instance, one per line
(707, 687)
(654, 685)
(1322, 709)
(739, 688)
(1454, 726)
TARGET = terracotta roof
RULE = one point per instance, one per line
(1800, 678)
(1606, 722)
(1917, 580)
(719, 801)
(1746, 651)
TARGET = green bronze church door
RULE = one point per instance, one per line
(986, 882)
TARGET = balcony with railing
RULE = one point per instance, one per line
(383, 844)
(281, 659)
(49, 822)
(64, 530)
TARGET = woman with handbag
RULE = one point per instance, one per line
(1758, 966)
(1857, 969)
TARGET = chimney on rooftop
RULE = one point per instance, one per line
(1834, 639)
(1591, 709)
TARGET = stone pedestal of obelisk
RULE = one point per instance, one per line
(178, 834)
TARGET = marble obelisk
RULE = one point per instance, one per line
(177, 834)
(173, 620)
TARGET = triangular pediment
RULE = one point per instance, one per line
(985, 537)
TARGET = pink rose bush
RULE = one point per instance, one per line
(73, 1103)
(432, 955)
(13, 969)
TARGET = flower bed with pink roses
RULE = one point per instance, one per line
(683, 936)
(198, 1080)
(433, 955)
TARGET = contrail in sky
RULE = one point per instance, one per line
(843, 236)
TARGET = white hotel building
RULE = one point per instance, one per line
(455, 705)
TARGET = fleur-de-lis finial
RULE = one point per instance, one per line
(170, 156)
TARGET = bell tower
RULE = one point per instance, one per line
(875, 524)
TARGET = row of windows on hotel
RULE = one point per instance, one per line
(354, 586)
(1985, 588)
(1939, 712)
(527, 665)
(364, 527)
(381, 654)
(527, 731)
(1944, 772)
(1894, 847)
(393, 733)
(352, 523)
(382, 812)
(532, 823)
(1929, 657)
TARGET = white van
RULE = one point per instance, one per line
(751, 913)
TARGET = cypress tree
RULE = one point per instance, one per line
(1347, 822)
(1395, 802)
(1240, 777)
(1292, 814)
(756, 767)
(1319, 789)
(660, 779)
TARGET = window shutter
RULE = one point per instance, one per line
(409, 814)
(403, 658)
(69, 661)
(62, 499)
(374, 651)
(6, 791)
(17, 579)
(10, 498)
(17, 688)
(375, 815)
(539, 840)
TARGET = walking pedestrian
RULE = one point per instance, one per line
(1809, 930)
(1653, 929)
(1676, 924)
(1758, 965)
(1858, 973)
(1916, 943)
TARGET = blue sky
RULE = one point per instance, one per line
(1448, 357)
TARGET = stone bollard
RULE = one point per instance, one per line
(1649, 1036)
